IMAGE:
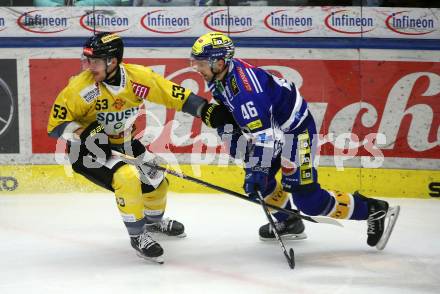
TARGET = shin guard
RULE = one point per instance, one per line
(128, 195)
(154, 202)
(343, 206)
(277, 197)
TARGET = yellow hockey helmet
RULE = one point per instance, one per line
(213, 46)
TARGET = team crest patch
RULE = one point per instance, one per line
(264, 138)
(90, 93)
(119, 103)
(244, 79)
(234, 85)
(140, 90)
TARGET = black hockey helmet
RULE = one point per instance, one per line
(104, 45)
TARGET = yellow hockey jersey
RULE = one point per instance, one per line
(115, 107)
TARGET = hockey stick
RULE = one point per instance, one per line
(289, 256)
(313, 219)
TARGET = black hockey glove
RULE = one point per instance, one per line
(133, 148)
(216, 115)
(137, 147)
(94, 141)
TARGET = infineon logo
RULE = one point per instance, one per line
(165, 22)
(221, 21)
(404, 23)
(42, 22)
(104, 21)
(349, 22)
(288, 22)
(2, 24)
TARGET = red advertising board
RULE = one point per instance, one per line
(400, 99)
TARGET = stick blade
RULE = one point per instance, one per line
(327, 220)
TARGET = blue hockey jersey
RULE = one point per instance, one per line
(264, 106)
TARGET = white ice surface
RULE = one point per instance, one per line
(78, 244)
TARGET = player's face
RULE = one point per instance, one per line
(98, 67)
(203, 68)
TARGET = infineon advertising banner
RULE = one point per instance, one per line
(369, 22)
(379, 108)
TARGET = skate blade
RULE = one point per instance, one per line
(158, 259)
(287, 237)
(392, 215)
(161, 236)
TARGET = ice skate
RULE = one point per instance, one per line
(168, 227)
(381, 221)
(390, 220)
(290, 229)
(147, 248)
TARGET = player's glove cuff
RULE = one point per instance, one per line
(215, 115)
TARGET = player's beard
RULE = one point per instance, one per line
(216, 75)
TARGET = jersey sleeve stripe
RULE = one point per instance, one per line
(254, 80)
(295, 120)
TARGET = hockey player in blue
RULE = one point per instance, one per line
(270, 120)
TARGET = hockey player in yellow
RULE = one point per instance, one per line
(95, 114)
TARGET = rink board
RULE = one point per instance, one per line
(29, 179)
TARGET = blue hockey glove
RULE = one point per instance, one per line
(256, 180)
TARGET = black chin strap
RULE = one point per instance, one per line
(114, 80)
(214, 76)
